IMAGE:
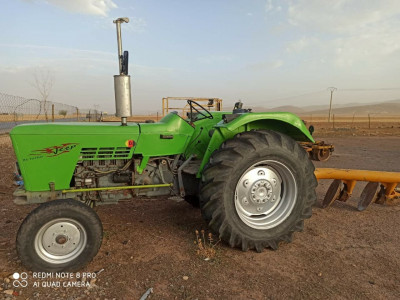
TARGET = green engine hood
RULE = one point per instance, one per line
(48, 153)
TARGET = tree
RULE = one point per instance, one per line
(43, 83)
(62, 112)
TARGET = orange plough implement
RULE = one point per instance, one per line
(381, 187)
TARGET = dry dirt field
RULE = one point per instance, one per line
(341, 254)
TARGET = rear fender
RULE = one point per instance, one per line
(286, 123)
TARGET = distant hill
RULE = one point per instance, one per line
(393, 101)
(385, 108)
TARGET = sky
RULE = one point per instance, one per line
(265, 52)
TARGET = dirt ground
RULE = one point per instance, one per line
(149, 243)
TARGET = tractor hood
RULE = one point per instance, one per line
(48, 153)
(75, 128)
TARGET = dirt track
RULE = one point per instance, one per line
(341, 253)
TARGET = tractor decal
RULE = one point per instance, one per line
(55, 150)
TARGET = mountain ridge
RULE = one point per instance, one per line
(391, 107)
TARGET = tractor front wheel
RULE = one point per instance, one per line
(61, 235)
(257, 190)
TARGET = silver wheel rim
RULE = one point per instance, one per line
(60, 240)
(265, 194)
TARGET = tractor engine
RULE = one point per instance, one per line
(118, 172)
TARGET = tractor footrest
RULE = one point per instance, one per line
(176, 199)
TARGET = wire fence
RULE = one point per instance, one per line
(361, 120)
(16, 110)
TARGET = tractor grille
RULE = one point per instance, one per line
(105, 153)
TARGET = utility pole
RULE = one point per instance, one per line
(331, 89)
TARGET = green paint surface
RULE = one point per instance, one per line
(48, 153)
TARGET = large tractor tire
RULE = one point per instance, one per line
(257, 190)
(61, 235)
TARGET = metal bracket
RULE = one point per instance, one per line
(143, 164)
(180, 180)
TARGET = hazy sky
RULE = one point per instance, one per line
(267, 53)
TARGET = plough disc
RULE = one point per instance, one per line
(332, 194)
(381, 187)
(368, 195)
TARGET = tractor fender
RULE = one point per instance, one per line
(286, 123)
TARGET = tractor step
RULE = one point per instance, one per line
(176, 199)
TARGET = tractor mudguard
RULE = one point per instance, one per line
(283, 122)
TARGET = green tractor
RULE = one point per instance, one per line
(246, 171)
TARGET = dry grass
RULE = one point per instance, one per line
(205, 246)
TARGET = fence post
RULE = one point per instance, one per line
(369, 121)
(52, 113)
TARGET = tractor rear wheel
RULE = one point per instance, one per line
(257, 190)
(60, 235)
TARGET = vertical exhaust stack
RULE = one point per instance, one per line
(122, 82)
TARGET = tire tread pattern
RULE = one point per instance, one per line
(63, 208)
(217, 173)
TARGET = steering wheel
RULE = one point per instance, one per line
(206, 114)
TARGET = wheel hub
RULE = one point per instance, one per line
(60, 240)
(259, 191)
(265, 194)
